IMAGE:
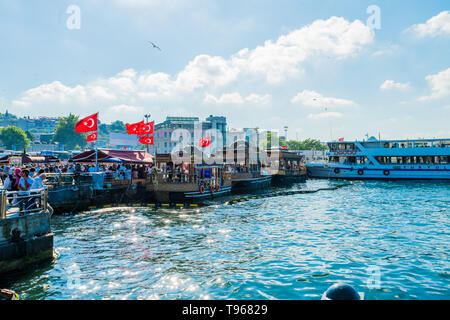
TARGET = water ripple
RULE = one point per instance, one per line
(291, 247)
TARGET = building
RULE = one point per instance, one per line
(40, 124)
(40, 147)
(164, 132)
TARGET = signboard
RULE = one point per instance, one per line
(120, 139)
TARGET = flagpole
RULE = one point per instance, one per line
(96, 152)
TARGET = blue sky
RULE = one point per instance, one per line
(314, 66)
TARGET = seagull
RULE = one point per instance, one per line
(155, 46)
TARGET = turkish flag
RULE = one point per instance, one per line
(341, 139)
(134, 127)
(87, 124)
(146, 140)
(205, 142)
(145, 128)
(92, 137)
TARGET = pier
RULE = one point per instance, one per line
(26, 238)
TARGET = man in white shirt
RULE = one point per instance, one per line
(38, 182)
(25, 183)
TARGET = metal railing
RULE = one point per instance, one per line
(23, 202)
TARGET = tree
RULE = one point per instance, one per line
(118, 127)
(271, 140)
(65, 133)
(13, 136)
(308, 144)
(29, 135)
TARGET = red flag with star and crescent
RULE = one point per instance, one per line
(87, 124)
(145, 128)
(134, 127)
(146, 140)
(92, 137)
(205, 142)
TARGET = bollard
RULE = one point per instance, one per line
(45, 198)
(4, 202)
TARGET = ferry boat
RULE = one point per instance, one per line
(187, 182)
(285, 167)
(426, 159)
(245, 172)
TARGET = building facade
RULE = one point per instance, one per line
(166, 139)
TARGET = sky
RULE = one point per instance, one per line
(326, 69)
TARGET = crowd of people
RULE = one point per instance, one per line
(27, 179)
(27, 182)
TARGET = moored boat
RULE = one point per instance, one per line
(425, 159)
(285, 167)
(242, 160)
(188, 181)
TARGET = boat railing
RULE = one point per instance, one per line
(164, 177)
(13, 203)
(187, 178)
(280, 171)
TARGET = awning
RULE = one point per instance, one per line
(104, 155)
(30, 159)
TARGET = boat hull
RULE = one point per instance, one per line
(194, 196)
(250, 184)
(423, 172)
(280, 180)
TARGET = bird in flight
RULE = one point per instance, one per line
(155, 46)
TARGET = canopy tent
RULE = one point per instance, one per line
(104, 155)
(29, 159)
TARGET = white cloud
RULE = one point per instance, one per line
(334, 37)
(205, 70)
(391, 84)
(259, 99)
(236, 98)
(125, 108)
(227, 98)
(388, 50)
(54, 92)
(314, 99)
(324, 115)
(440, 85)
(437, 25)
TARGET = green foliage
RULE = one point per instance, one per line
(270, 140)
(105, 129)
(13, 136)
(65, 133)
(29, 135)
(118, 127)
(308, 144)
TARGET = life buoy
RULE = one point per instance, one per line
(217, 187)
(386, 172)
(212, 188)
(202, 189)
(360, 172)
(336, 170)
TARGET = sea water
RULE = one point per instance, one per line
(389, 240)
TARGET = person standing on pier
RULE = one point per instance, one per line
(24, 186)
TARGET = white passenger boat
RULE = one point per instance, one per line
(385, 159)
